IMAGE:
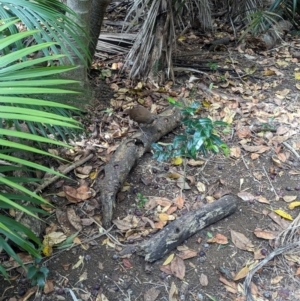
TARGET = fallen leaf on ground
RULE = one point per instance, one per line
(264, 234)
(173, 294)
(241, 241)
(289, 198)
(246, 196)
(151, 294)
(178, 267)
(169, 259)
(203, 280)
(230, 286)
(241, 273)
(220, 239)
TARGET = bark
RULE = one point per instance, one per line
(82, 8)
(127, 155)
(97, 14)
(184, 227)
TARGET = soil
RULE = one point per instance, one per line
(104, 272)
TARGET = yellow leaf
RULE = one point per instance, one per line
(169, 259)
(269, 72)
(241, 273)
(297, 75)
(283, 214)
(163, 217)
(93, 175)
(205, 103)
(294, 205)
(173, 175)
(47, 250)
(177, 161)
(105, 241)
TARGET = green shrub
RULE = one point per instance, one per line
(200, 135)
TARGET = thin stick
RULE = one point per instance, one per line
(291, 149)
(270, 182)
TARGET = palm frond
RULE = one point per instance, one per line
(52, 25)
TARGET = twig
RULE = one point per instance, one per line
(291, 149)
(107, 234)
(64, 172)
(270, 182)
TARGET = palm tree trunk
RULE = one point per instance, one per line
(97, 14)
(82, 8)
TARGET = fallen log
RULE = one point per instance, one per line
(126, 156)
(182, 228)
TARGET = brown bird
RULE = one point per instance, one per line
(140, 114)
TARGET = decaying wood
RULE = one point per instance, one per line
(127, 155)
(181, 229)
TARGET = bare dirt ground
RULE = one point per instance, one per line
(263, 110)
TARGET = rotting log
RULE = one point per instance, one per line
(126, 156)
(182, 228)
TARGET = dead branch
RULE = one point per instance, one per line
(181, 229)
(127, 155)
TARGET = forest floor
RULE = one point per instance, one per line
(263, 169)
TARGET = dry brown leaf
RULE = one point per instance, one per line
(235, 152)
(178, 267)
(276, 279)
(246, 196)
(179, 201)
(259, 149)
(230, 286)
(264, 234)
(289, 198)
(166, 269)
(203, 280)
(257, 175)
(281, 130)
(164, 202)
(182, 184)
(122, 225)
(173, 294)
(74, 219)
(241, 241)
(193, 162)
(173, 175)
(126, 263)
(49, 287)
(221, 239)
(254, 156)
(151, 294)
(282, 157)
(244, 132)
(171, 210)
(201, 187)
(187, 254)
(278, 220)
(262, 199)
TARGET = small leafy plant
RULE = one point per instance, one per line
(142, 200)
(37, 274)
(200, 136)
(213, 66)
